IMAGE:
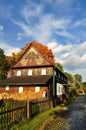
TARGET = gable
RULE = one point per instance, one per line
(32, 57)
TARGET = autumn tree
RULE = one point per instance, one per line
(11, 60)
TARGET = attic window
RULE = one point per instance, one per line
(26, 57)
(37, 56)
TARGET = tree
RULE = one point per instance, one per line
(11, 60)
(3, 65)
(78, 77)
(59, 66)
(69, 76)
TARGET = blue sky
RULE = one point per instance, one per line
(59, 24)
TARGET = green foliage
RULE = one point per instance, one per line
(35, 110)
(59, 66)
(78, 77)
(69, 76)
(72, 89)
(77, 84)
(83, 85)
(3, 65)
(37, 121)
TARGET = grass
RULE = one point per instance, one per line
(37, 122)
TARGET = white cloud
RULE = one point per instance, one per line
(31, 10)
(57, 47)
(45, 29)
(52, 45)
(81, 22)
(1, 28)
(81, 72)
(40, 26)
(64, 5)
(81, 47)
(70, 56)
(65, 33)
(8, 50)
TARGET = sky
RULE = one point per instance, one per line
(58, 24)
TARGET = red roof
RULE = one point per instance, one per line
(42, 49)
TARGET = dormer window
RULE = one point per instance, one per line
(19, 73)
(43, 72)
(30, 72)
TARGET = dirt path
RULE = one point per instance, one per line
(74, 118)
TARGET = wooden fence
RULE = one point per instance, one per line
(38, 106)
(12, 112)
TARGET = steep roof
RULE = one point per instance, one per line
(44, 53)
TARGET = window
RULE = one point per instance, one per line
(20, 89)
(43, 72)
(18, 73)
(37, 89)
(37, 56)
(60, 89)
(7, 88)
(9, 74)
(29, 72)
(26, 57)
(44, 94)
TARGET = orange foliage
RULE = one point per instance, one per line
(46, 52)
(11, 60)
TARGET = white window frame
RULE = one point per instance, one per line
(7, 88)
(44, 94)
(19, 73)
(60, 89)
(30, 72)
(9, 74)
(43, 72)
(20, 89)
(37, 89)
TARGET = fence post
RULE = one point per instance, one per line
(51, 103)
(28, 109)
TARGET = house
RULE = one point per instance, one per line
(35, 71)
